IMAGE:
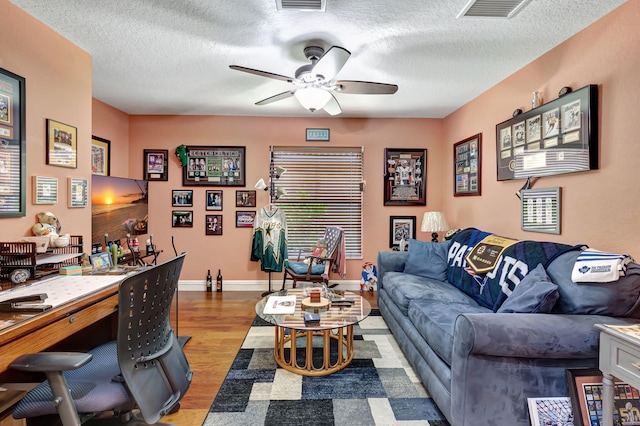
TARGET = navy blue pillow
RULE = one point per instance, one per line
(427, 259)
(535, 294)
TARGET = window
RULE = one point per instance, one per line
(323, 188)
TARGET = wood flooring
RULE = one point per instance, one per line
(217, 324)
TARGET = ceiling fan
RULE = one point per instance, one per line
(314, 84)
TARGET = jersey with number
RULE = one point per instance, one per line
(270, 239)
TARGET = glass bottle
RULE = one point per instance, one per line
(209, 281)
(219, 282)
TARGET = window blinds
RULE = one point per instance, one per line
(323, 188)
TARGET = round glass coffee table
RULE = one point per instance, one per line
(315, 350)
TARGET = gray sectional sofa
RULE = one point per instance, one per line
(483, 344)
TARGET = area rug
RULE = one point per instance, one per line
(377, 388)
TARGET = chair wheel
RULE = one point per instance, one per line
(174, 409)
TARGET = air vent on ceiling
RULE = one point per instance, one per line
(492, 8)
(304, 5)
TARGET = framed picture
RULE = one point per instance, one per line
(182, 198)
(558, 137)
(100, 261)
(100, 156)
(401, 227)
(214, 166)
(45, 190)
(585, 390)
(13, 166)
(62, 144)
(467, 166)
(245, 219)
(182, 218)
(245, 198)
(550, 411)
(405, 177)
(213, 224)
(540, 210)
(78, 190)
(214, 200)
(156, 165)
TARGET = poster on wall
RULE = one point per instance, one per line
(12, 145)
(214, 166)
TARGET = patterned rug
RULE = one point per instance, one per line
(377, 388)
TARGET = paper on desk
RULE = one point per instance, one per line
(63, 289)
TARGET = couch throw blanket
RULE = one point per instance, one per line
(492, 289)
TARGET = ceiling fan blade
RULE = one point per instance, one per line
(365, 87)
(262, 73)
(275, 98)
(330, 64)
(332, 107)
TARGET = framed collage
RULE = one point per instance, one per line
(100, 156)
(405, 177)
(214, 166)
(558, 137)
(467, 166)
(62, 144)
(156, 165)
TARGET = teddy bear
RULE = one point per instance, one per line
(48, 224)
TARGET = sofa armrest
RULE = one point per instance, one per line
(530, 335)
(390, 261)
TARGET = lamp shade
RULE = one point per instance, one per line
(434, 222)
(312, 98)
(261, 184)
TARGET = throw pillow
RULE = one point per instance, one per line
(535, 294)
(427, 259)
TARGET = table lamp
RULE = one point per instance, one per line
(434, 222)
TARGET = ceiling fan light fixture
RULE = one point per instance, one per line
(312, 98)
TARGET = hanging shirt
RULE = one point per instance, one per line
(270, 239)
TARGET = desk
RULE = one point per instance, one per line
(35, 332)
(619, 358)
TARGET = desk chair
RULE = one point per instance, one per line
(317, 269)
(144, 369)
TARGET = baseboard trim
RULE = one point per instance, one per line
(256, 285)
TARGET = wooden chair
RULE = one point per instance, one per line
(317, 269)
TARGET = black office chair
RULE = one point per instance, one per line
(144, 369)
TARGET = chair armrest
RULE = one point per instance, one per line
(51, 361)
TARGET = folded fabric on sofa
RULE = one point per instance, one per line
(598, 266)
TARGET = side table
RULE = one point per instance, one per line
(619, 358)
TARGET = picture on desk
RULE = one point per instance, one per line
(100, 261)
(585, 390)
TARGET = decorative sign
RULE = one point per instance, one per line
(318, 135)
(45, 190)
(540, 210)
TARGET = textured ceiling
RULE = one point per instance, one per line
(173, 56)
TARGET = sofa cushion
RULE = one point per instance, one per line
(427, 259)
(618, 298)
(403, 288)
(491, 289)
(535, 294)
(435, 322)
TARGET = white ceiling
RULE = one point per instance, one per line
(173, 56)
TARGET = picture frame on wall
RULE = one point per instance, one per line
(401, 227)
(181, 198)
(214, 166)
(213, 224)
(245, 219)
(156, 164)
(405, 179)
(13, 180)
(214, 199)
(62, 144)
(550, 411)
(182, 219)
(245, 198)
(467, 166)
(78, 192)
(45, 190)
(585, 391)
(100, 156)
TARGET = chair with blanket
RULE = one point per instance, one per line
(145, 369)
(318, 266)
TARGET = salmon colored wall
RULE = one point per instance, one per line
(600, 208)
(230, 252)
(112, 124)
(58, 86)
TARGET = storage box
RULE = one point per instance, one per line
(71, 270)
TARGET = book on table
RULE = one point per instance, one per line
(280, 305)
